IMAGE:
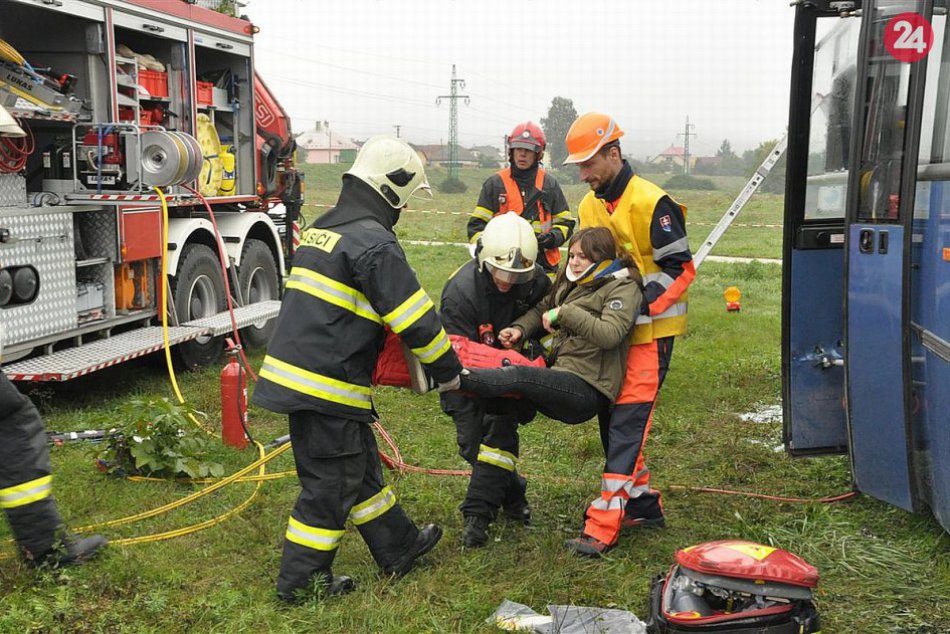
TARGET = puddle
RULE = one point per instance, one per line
(765, 414)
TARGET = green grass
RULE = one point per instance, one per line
(883, 570)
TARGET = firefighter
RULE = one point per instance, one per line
(481, 299)
(26, 489)
(350, 281)
(651, 227)
(527, 190)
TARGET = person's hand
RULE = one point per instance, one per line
(509, 337)
(549, 319)
(547, 241)
(452, 385)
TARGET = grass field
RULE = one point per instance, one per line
(883, 570)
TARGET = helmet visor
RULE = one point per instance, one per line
(503, 276)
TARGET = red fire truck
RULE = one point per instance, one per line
(121, 108)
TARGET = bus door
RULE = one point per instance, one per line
(880, 209)
(824, 79)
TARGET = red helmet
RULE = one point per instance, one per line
(528, 136)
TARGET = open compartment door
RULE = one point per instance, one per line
(824, 78)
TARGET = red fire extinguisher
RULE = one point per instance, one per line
(233, 401)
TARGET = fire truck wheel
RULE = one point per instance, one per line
(198, 291)
(259, 282)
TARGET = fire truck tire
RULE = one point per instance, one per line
(198, 291)
(258, 278)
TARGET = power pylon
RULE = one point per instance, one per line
(687, 132)
(454, 121)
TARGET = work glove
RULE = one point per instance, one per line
(450, 386)
(547, 241)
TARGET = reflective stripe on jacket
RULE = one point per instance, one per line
(502, 193)
(347, 282)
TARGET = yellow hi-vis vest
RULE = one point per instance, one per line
(630, 224)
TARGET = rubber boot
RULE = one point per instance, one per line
(475, 531)
(69, 551)
(426, 540)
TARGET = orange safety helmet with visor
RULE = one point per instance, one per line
(589, 134)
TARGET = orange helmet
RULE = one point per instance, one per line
(588, 134)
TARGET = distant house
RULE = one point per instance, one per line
(323, 145)
(489, 156)
(706, 164)
(671, 159)
(439, 155)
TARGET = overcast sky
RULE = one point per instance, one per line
(368, 65)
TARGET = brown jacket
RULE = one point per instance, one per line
(592, 326)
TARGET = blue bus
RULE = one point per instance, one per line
(866, 276)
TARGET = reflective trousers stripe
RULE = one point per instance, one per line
(434, 350)
(316, 385)
(333, 292)
(313, 537)
(372, 508)
(409, 312)
(26, 493)
(497, 457)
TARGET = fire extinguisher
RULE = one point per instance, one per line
(233, 401)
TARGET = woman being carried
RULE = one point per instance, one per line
(590, 312)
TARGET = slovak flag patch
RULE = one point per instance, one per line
(666, 223)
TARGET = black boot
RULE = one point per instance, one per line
(475, 532)
(516, 507)
(69, 551)
(428, 537)
(323, 585)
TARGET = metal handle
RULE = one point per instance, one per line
(223, 45)
(866, 241)
(55, 3)
(154, 28)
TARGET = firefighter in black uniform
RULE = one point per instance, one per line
(481, 299)
(527, 190)
(349, 281)
(26, 486)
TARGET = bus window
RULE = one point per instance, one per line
(833, 84)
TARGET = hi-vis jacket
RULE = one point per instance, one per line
(535, 196)
(349, 280)
(651, 227)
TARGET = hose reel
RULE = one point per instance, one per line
(169, 158)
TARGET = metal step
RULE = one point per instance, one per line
(89, 357)
(244, 316)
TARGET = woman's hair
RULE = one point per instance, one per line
(597, 244)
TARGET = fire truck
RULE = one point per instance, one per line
(125, 113)
(866, 272)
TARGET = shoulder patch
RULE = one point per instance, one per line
(322, 239)
(666, 223)
(615, 304)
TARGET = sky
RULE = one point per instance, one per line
(366, 66)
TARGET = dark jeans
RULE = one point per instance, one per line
(557, 394)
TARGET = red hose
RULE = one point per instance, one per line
(15, 151)
(227, 285)
(396, 463)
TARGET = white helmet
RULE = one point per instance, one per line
(392, 168)
(508, 247)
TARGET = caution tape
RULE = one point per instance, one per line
(753, 225)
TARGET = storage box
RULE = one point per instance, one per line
(89, 296)
(205, 93)
(154, 82)
(128, 114)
